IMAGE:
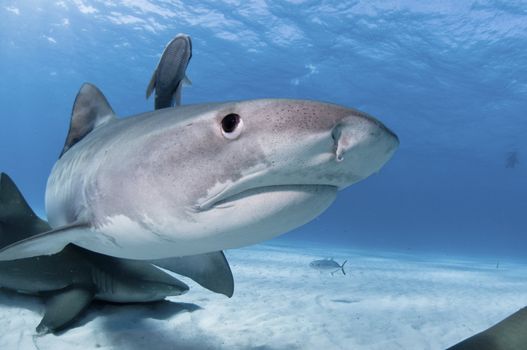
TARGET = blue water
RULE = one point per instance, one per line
(450, 79)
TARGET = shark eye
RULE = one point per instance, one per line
(231, 126)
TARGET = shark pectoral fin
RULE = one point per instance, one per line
(211, 270)
(177, 94)
(63, 307)
(186, 81)
(46, 243)
(151, 84)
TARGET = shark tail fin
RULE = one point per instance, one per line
(17, 219)
(342, 266)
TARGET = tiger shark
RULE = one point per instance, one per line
(200, 178)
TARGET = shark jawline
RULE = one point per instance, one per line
(223, 199)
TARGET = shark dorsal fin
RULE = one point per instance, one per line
(17, 220)
(90, 110)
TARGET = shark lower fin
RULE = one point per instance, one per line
(63, 307)
(46, 243)
(210, 270)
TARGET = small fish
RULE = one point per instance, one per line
(169, 75)
(328, 264)
(512, 159)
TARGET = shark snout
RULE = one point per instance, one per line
(362, 144)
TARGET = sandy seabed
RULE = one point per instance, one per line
(385, 301)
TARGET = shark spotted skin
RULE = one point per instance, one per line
(200, 178)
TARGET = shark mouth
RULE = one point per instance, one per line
(225, 197)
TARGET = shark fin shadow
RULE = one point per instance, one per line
(158, 310)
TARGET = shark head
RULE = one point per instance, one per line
(267, 146)
(210, 177)
(203, 178)
(281, 163)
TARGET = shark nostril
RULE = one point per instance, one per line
(341, 146)
(340, 142)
